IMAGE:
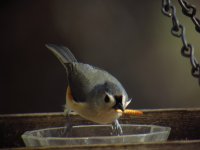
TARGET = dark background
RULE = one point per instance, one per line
(131, 39)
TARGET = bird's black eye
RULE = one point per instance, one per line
(107, 99)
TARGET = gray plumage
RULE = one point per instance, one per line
(86, 81)
(62, 52)
(95, 94)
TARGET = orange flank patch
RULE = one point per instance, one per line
(69, 94)
(130, 112)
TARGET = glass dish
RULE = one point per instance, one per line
(96, 134)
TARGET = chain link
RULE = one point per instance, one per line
(178, 30)
(190, 11)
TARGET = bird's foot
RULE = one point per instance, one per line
(68, 127)
(117, 129)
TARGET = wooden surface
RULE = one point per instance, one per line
(175, 145)
(184, 123)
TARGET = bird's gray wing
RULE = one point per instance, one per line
(79, 77)
(76, 78)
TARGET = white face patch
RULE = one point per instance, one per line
(127, 102)
(123, 100)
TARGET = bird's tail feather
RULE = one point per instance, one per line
(62, 53)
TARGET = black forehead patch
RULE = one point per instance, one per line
(118, 98)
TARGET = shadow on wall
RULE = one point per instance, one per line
(130, 39)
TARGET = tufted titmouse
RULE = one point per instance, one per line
(92, 92)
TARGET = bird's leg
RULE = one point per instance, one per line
(117, 129)
(68, 124)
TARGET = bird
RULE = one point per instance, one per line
(92, 92)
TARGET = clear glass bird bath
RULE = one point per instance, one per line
(96, 134)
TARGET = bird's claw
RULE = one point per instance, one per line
(68, 127)
(117, 129)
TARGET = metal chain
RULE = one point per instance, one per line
(190, 11)
(178, 30)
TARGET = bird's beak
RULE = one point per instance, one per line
(119, 105)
